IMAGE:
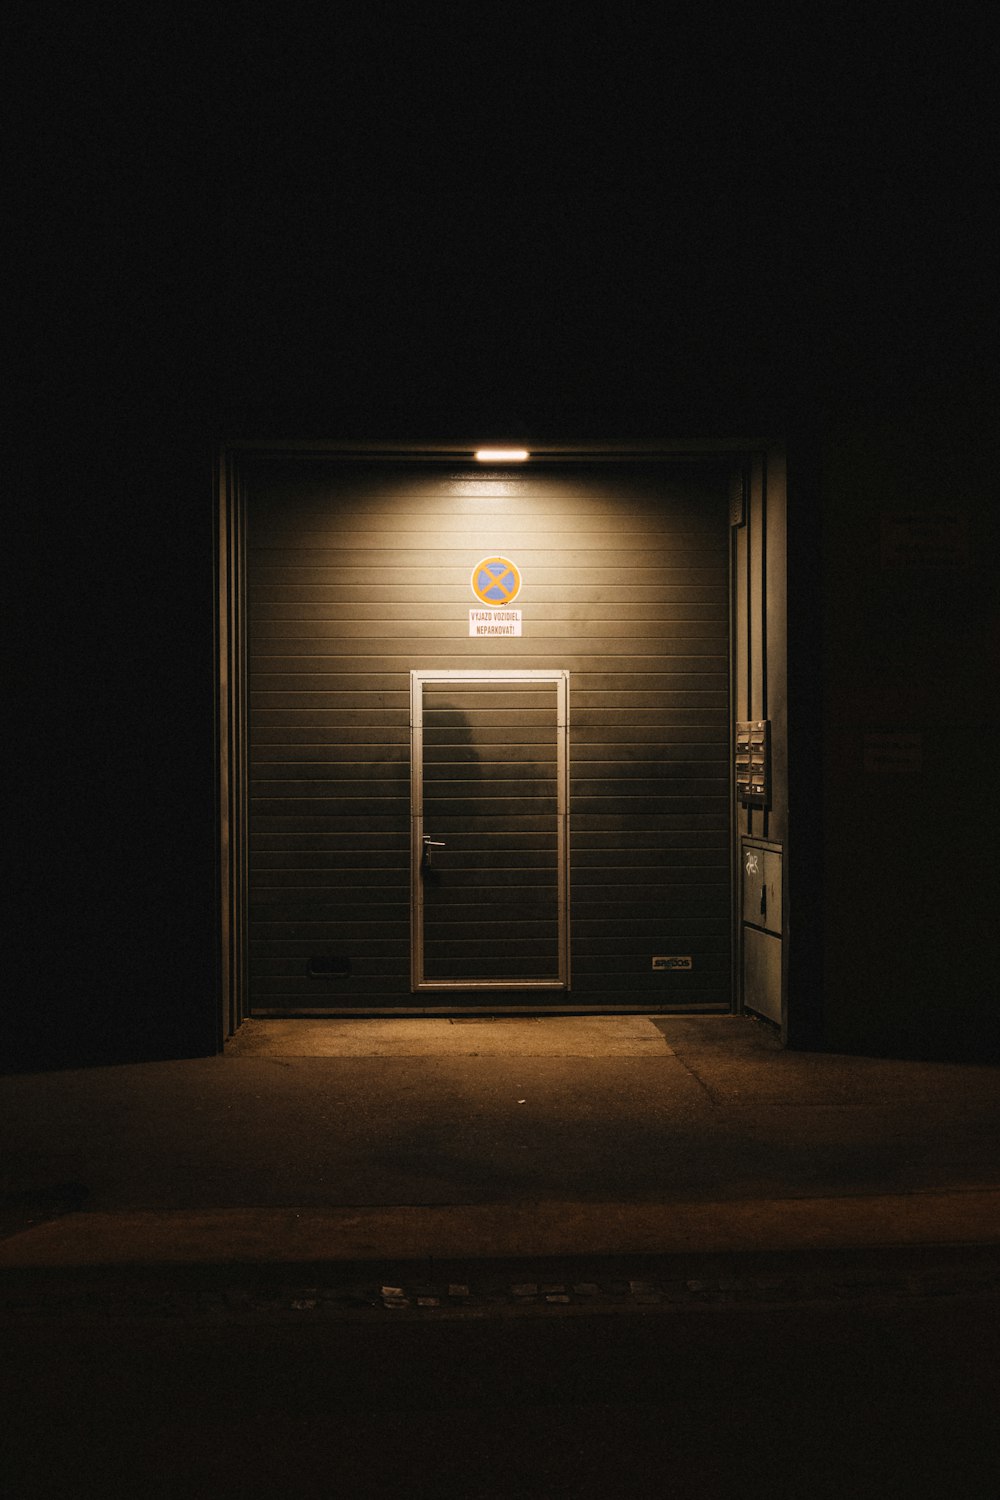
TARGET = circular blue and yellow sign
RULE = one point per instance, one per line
(496, 581)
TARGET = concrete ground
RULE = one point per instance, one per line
(570, 1259)
(347, 1139)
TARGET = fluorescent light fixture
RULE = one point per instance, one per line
(502, 455)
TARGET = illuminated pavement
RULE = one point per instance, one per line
(401, 1140)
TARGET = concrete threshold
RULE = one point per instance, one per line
(493, 1231)
(457, 1036)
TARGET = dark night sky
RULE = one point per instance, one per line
(416, 217)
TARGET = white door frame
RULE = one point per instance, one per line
(560, 680)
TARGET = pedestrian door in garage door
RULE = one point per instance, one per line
(489, 830)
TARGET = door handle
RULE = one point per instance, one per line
(426, 859)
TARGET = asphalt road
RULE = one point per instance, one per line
(814, 1379)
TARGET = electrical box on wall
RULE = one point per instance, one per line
(761, 910)
(753, 762)
(761, 904)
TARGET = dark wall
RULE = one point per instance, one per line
(910, 637)
(111, 946)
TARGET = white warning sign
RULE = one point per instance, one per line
(494, 622)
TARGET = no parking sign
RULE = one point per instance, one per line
(496, 583)
(496, 580)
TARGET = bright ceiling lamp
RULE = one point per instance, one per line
(502, 455)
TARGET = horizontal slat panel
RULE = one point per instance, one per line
(356, 484)
(372, 586)
(386, 622)
(443, 782)
(682, 657)
(520, 959)
(345, 774)
(392, 722)
(645, 923)
(463, 519)
(297, 762)
(308, 906)
(656, 678)
(375, 952)
(608, 703)
(520, 530)
(495, 735)
(285, 821)
(326, 895)
(348, 504)
(591, 831)
(625, 831)
(590, 741)
(308, 936)
(333, 885)
(303, 764)
(375, 788)
(666, 607)
(327, 884)
(591, 566)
